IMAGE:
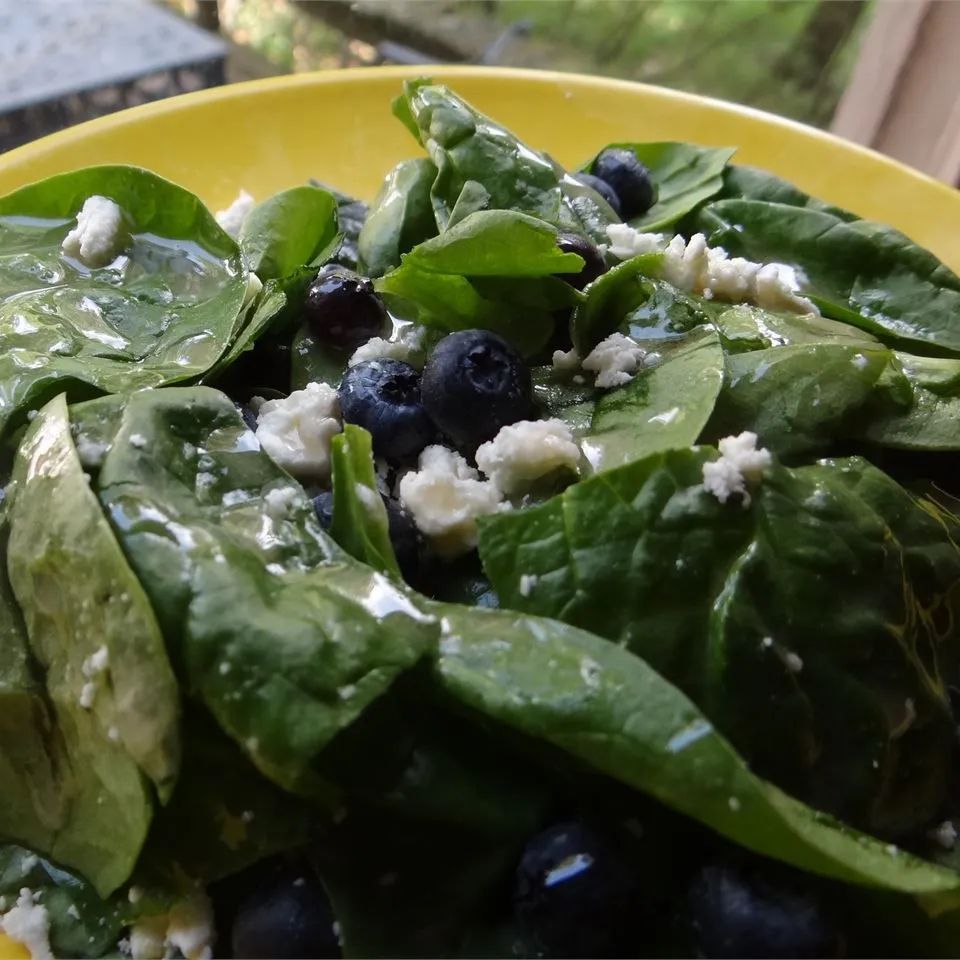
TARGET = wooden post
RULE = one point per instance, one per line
(904, 96)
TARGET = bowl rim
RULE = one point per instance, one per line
(22, 155)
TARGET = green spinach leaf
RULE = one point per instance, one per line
(860, 272)
(313, 361)
(163, 312)
(608, 708)
(752, 183)
(291, 231)
(663, 406)
(401, 217)
(495, 270)
(841, 702)
(359, 516)
(684, 174)
(106, 674)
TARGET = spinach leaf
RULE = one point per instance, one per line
(284, 639)
(163, 312)
(683, 173)
(351, 214)
(313, 361)
(401, 217)
(81, 924)
(477, 157)
(931, 421)
(800, 399)
(495, 270)
(291, 231)
(752, 183)
(664, 406)
(558, 396)
(608, 708)
(860, 272)
(106, 675)
(629, 299)
(359, 516)
(841, 701)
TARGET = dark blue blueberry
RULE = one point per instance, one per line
(342, 309)
(288, 916)
(576, 895)
(628, 178)
(474, 383)
(323, 505)
(383, 396)
(734, 914)
(263, 370)
(601, 187)
(406, 540)
(593, 263)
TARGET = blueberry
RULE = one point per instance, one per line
(474, 383)
(601, 187)
(629, 178)
(261, 370)
(735, 914)
(593, 263)
(342, 309)
(323, 505)
(406, 540)
(287, 916)
(575, 894)
(383, 396)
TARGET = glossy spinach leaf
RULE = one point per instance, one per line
(400, 217)
(558, 395)
(113, 696)
(495, 270)
(800, 399)
(839, 697)
(860, 272)
(284, 639)
(628, 298)
(931, 420)
(312, 361)
(293, 230)
(663, 406)
(476, 156)
(608, 708)
(359, 516)
(684, 174)
(351, 215)
(752, 183)
(163, 312)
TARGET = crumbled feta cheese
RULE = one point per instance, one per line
(28, 923)
(138, 440)
(296, 432)
(231, 218)
(692, 266)
(88, 693)
(445, 495)
(740, 463)
(527, 583)
(526, 451)
(278, 502)
(566, 362)
(408, 347)
(945, 834)
(98, 235)
(187, 928)
(615, 360)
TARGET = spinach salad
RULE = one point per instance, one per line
(536, 562)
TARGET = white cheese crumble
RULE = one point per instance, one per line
(98, 235)
(945, 834)
(138, 440)
(88, 693)
(445, 495)
(296, 432)
(615, 360)
(528, 582)
(741, 463)
(408, 347)
(693, 266)
(231, 218)
(566, 362)
(278, 502)
(28, 923)
(526, 451)
(187, 928)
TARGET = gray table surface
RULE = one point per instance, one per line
(52, 48)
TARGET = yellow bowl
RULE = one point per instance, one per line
(336, 126)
